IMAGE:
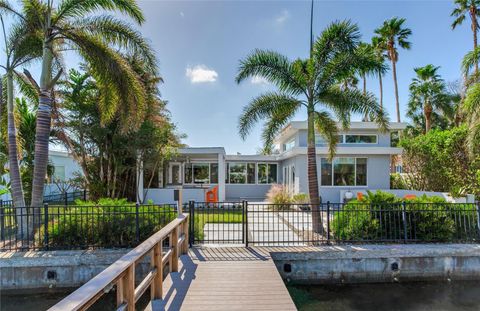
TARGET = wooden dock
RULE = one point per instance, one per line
(224, 279)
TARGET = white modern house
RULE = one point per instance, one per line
(362, 162)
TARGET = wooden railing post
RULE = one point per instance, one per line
(174, 245)
(129, 288)
(156, 289)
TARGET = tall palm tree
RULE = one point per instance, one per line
(379, 49)
(472, 8)
(21, 47)
(428, 93)
(471, 105)
(394, 35)
(73, 25)
(313, 84)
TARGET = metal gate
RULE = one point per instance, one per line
(218, 223)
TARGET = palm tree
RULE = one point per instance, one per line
(428, 93)
(393, 35)
(21, 47)
(311, 83)
(472, 8)
(471, 105)
(379, 50)
(71, 24)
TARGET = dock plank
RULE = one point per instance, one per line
(220, 279)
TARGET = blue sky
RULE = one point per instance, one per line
(199, 45)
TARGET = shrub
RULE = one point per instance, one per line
(380, 215)
(301, 198)
(106, 223)
(278, 194)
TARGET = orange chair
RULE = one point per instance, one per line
(212, 195)
(410, 197)
(359, 196)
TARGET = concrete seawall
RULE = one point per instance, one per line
(308, 265)
(379, 263)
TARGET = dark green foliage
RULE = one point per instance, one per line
(108, 223)
(381, 216)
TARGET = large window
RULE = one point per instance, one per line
(344, 172)
(321, 141)
(250, 173)
(267, 173)
(361, 139)
(289, 145)
(201, 173)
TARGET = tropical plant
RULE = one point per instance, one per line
(312, 83)
(393, 35)
(472, 8)
(379, 50)
(72, 25)
(471, 104)
(278, 194)
(428, 94)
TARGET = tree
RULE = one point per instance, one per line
(311, 83)
(393, 35)
(472, 8)
(69, 24)
(21, 47)
(379, 50)
(471, 104)
(428, 93)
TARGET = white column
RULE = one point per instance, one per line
(221, 177)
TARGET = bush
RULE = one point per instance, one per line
(379, 215)
(301, 198)
(106, 223)
(278, 194)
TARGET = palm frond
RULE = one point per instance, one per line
(327, 127)
(264, 107)
(117, 32)
(79, 8)
(345, 102)
(272, 66)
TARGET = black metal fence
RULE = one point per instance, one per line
(264, 224)
(79, 227)
(65, 198)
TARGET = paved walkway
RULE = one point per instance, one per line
(224, 279)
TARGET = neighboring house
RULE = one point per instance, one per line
(362, 161)
(65, 168)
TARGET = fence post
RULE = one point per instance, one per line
(404, 220)
(191, 212)
(137, 222)
(328, 222)
(45, 225)
(84, 194)
(2, 221)
(66, 198)
(245, 222)
(478, 217)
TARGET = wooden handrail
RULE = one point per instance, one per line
(122, 272)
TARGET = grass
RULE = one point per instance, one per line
(214, 216)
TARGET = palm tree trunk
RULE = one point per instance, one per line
(397, 103)
(14, 167)
(364, 78)
(313, 176)
(381, 89)
(42, 134)
(473, 16)
(427, 110)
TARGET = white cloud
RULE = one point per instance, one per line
(283, 17)
(200, 74)
(259, 80)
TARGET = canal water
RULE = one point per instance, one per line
(445, 296)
